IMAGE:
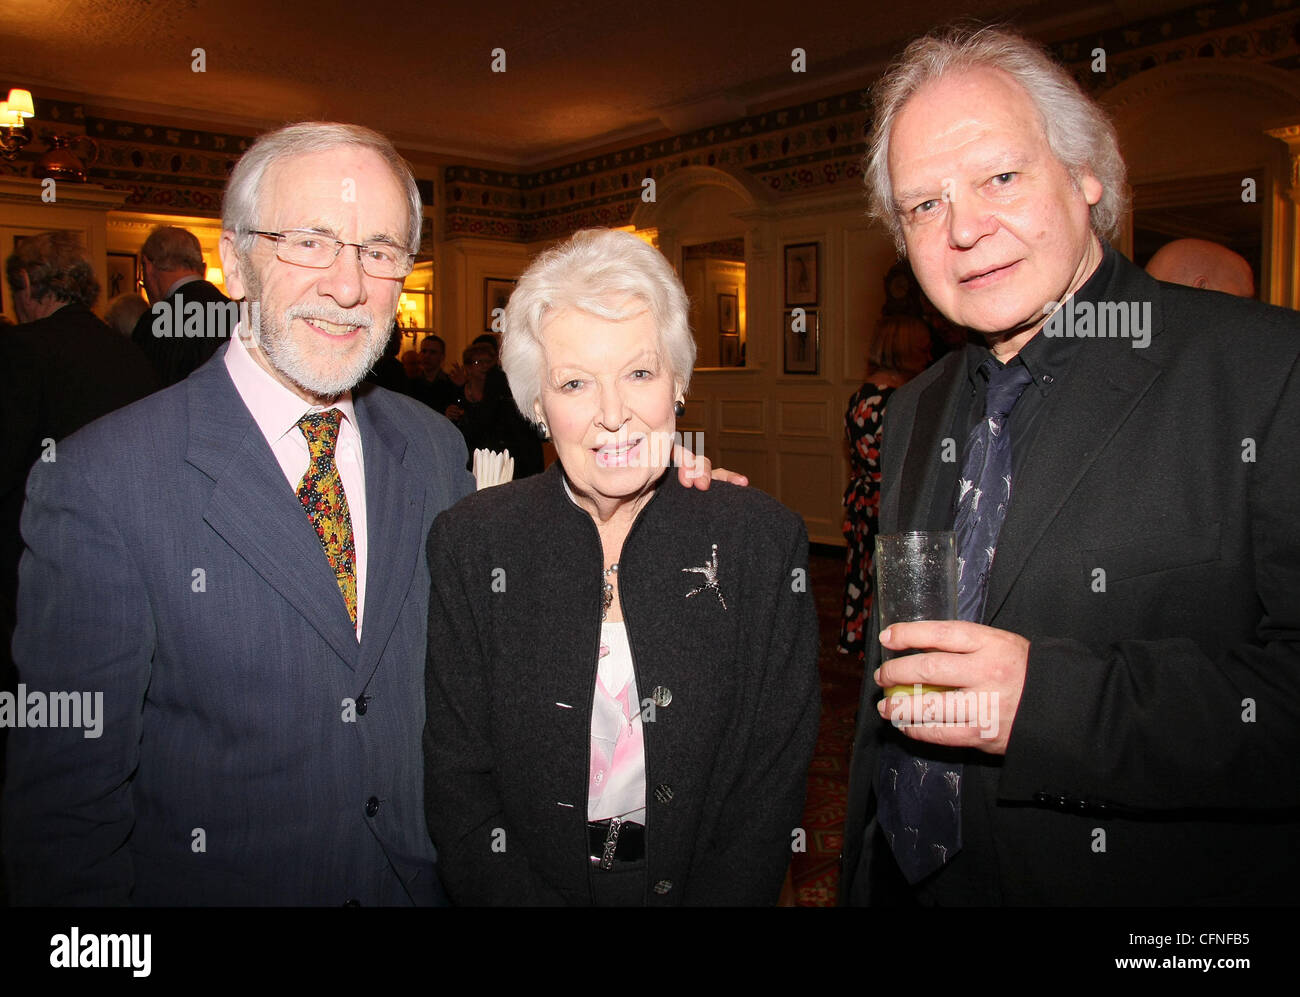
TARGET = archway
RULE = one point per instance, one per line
(1201, 162)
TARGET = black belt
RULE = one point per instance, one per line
(613, 840)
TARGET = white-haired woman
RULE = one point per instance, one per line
(622, 685)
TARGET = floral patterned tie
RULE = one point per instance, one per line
(321, 494)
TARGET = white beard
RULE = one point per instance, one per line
(313, 373)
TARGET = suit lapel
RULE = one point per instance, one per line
(395, 498)
(922, 455)
(1105, 383)
(254, 509)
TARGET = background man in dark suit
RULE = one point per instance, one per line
(434, 387)
(1133, 654)
(172, 261)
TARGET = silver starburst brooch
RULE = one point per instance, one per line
(710, 573)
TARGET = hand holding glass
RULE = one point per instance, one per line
(916, 579)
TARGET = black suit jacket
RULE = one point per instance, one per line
(1151, 554)
(176, 356)
(514, 628)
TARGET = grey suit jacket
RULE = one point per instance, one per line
(251, 751)
(1162, 700)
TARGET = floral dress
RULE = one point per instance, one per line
(861, 501)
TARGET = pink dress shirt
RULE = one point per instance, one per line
(276, 410)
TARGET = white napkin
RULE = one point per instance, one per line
(492, 468)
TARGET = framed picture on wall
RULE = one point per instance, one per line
(801, 274)
(729, 351)
(803, 344)
(121, 275)
(496, 292)
(727, 313)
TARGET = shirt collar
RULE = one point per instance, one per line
(275, 408)
(187, 279)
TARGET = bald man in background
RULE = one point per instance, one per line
(182, 340)
(1203, 264)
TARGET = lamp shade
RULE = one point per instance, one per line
(20, 102)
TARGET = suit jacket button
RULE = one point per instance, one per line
(1042, 797)
(372, 806)
(662, 695)
(363, 704)
(354, 902)
(663, 792)
(1062, 802)
(663, 886)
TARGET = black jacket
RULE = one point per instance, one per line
(495, 423)
(190, 345)
(1162, 700)
(514, 627)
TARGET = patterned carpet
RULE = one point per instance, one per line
(815, 873)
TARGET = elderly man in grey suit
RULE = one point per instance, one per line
(233, 568)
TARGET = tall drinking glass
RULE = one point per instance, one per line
(916, 579)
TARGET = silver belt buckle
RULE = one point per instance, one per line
(611, 843)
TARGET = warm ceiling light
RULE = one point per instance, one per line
(20, 103)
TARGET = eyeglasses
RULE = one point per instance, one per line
(304, 248)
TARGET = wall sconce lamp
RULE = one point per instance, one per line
(14, 130)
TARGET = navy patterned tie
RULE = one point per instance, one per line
(919, 805)
(984, 491)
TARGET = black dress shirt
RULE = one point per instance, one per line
(1048, 359)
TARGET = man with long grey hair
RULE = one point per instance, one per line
(1116, 714)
